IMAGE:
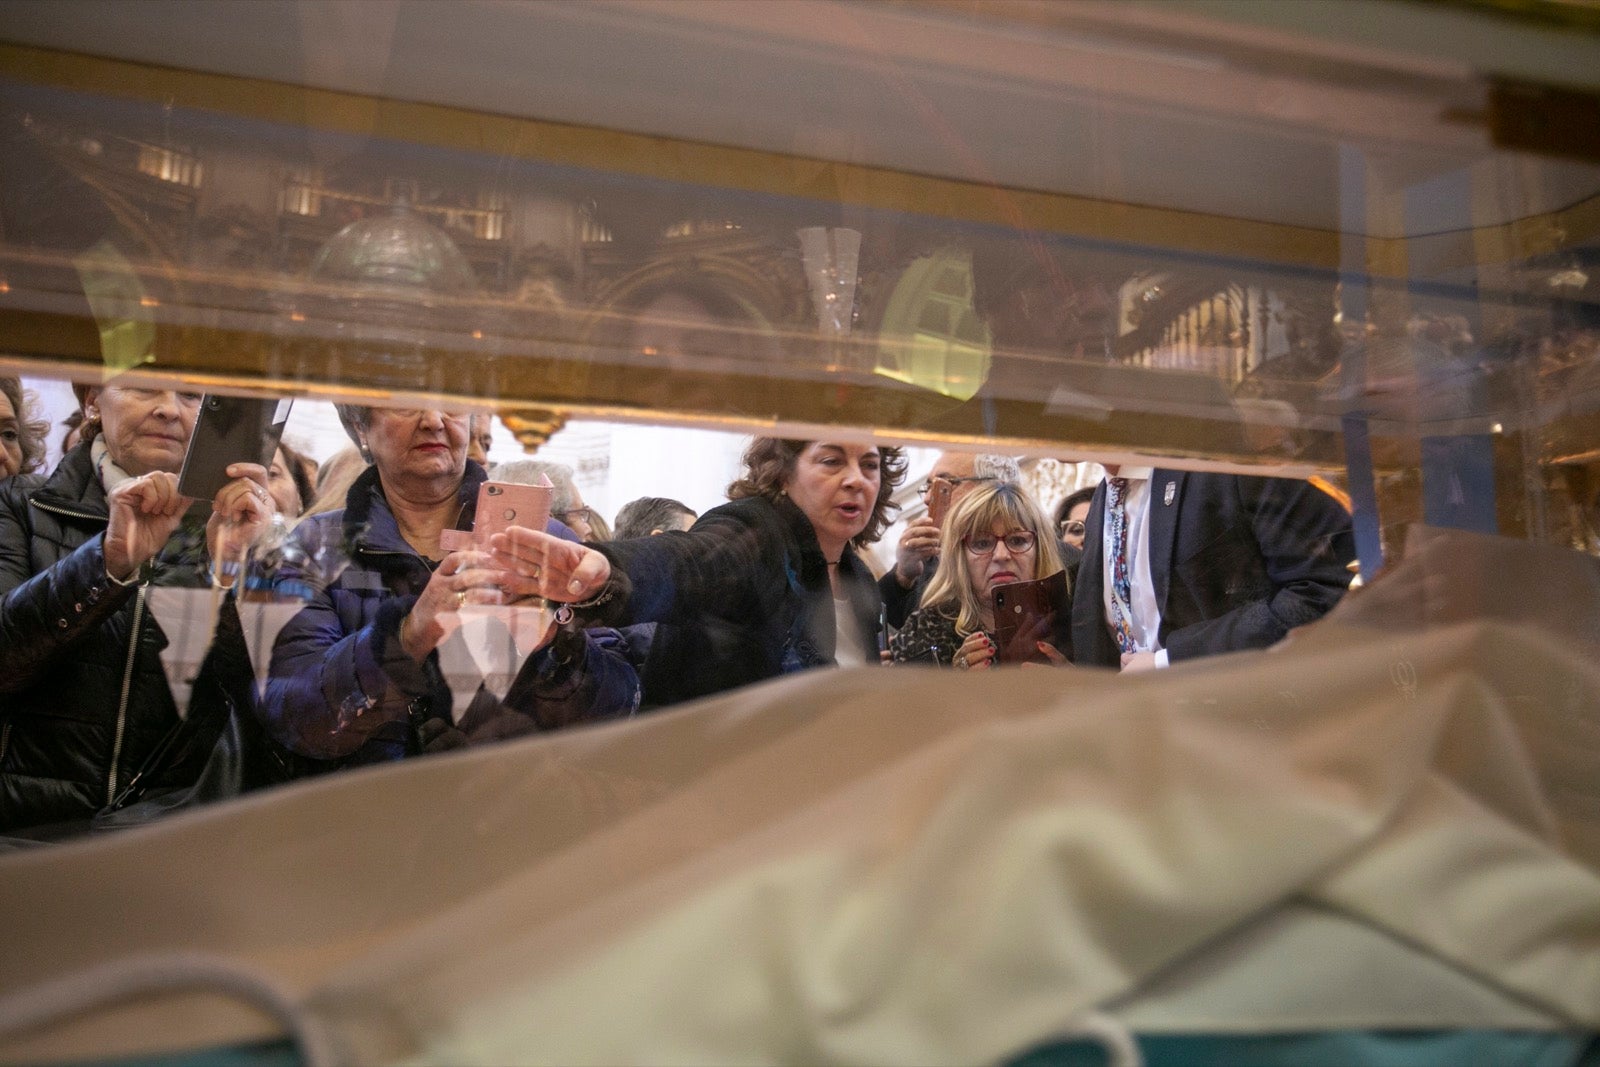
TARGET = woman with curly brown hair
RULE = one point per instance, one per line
(764, 585)
(21, 437)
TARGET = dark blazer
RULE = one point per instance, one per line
(742, 596)
(1237, 562)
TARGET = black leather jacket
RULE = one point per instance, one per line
(741, 597)
(84, 703)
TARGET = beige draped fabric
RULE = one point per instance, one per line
(1392, 820)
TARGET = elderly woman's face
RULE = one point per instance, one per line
(145, 429)
(10, 438)
(418, 444)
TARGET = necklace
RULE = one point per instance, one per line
(833, 562)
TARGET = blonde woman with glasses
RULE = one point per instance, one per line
(994, 536)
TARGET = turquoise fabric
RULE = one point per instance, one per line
(263, 1054)
(1338, 1048)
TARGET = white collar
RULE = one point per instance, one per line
(105, 467)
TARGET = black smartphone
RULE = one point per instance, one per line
(1026, 613)
(228, 430)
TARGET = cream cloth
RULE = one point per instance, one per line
(1389, 821)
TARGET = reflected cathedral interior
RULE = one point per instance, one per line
(1221, 364)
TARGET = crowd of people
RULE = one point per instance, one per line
(1151, 567)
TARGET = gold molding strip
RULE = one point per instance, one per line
(671, 159)
(751, 170)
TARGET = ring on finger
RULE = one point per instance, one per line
(461, 599)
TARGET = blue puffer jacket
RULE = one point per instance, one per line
(342, 691)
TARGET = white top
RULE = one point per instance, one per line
(1146, 617)
(848, 640)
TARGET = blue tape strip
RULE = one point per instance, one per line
(1363, 495)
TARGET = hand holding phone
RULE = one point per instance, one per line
(939, 493)
(502, 505)
(1026, 613)
(229, 430)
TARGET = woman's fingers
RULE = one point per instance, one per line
(246, 492)
(466, 576)
(155, 494)
(253, 472)
(550, 566)
(589, 577)
(976, 652)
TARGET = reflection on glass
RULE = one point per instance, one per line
(431, 281)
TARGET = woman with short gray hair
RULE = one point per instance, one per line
(355, 676)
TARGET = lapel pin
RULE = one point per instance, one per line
(1170, 495)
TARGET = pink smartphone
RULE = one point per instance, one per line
(502, 505)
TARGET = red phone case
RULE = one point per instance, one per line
(939, 501)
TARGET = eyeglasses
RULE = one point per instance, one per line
(585, 514)
(1073, 528)
(1016, 543)
(928, 485)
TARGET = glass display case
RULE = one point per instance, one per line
(1350, 246)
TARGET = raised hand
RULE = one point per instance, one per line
(538, 564)
(144, 513)
(919, 542)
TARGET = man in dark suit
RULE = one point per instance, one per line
(1215, 563)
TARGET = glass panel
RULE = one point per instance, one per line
(641, 353)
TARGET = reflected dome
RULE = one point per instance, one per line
(395, 250)
(393, 294)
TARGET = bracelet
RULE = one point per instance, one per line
(215, 574)
(602, 597)
(125, 583)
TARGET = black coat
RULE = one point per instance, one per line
(741, 597)
(1236, 561)
(84, 702)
